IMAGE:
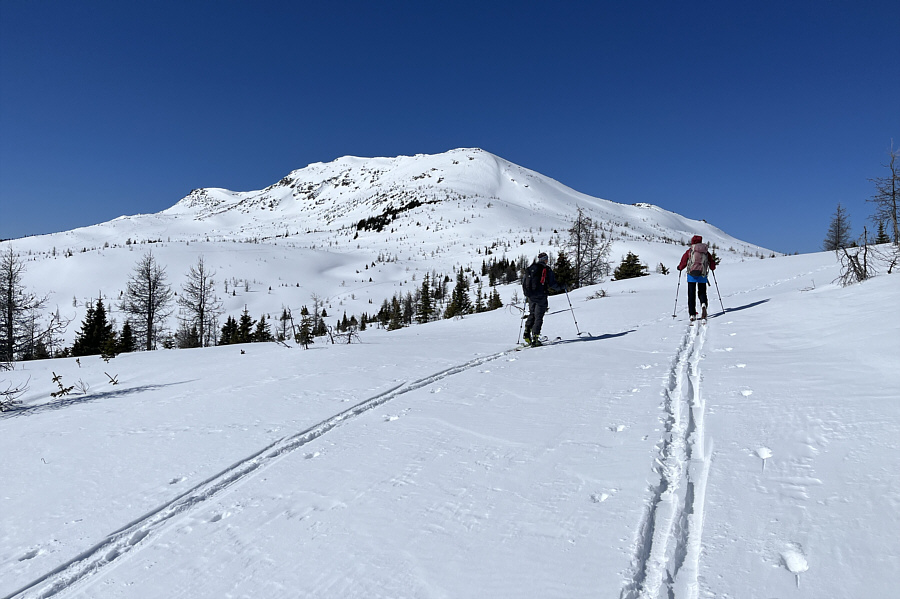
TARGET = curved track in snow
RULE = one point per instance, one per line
(142, 530)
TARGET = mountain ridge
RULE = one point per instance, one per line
(354, 232)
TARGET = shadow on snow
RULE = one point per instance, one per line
(68, 401)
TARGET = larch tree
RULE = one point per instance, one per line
(200, 306)
(20, 328)
(147, 300)
(838, 235)
(887, 190)
(589, 252)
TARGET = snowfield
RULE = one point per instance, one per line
(639, 458)
(755, 456)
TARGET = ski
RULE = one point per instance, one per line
(545, 341)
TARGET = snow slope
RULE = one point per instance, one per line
(435, 461)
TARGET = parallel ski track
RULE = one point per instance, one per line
(139, 532)
(667, 558)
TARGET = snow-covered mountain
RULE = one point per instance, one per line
(354, 232)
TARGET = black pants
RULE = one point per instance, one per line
(537, 307)
(695, 289)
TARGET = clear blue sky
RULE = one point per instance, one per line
(756, 116)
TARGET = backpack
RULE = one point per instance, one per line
(534, 279)
(698, 263)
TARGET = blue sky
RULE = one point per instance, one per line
(756, 116)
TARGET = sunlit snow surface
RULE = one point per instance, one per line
(755, 456)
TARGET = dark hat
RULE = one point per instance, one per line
(543, 258)
(696, 239)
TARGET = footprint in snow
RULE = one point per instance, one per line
(219, 517)
(601, 497)
(741, 365)
(390, 418)
(30, 555)
(312, 455)
(747, 392)
(617, 428)
(176, 480)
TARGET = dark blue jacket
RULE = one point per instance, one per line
(544, 280)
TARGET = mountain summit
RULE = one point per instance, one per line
(471, 191)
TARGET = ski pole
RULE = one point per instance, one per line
(717, 292)
(573, 311)
(522, 320)
(677, 291)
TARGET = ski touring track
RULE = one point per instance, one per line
(139, 533)
(666, 561)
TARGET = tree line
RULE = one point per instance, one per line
(149, 301)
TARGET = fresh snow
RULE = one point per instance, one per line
(753, 456)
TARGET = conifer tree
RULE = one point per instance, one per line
(305, 334)
(460, 304)
(229, 332)
(245, 327)
(96, 335)
(262, 333)
(284, 319)
(396, 316)
(887, 195)
(409, 308)
(565, 274)
(384, 313)
(148, 300)
(589, 251)
(496, 301)
(882, 236)
(18, 310)
(479, 300)
(187, 336)
(126, 339)
(424, 308)
(200, 306)
(629, 268)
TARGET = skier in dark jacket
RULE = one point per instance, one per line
(698, 261)
(536, 283)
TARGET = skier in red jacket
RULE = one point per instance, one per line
(698, 261)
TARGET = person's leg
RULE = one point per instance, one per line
(692, 298)
(701, 290)
(529, 322)
(540, 308)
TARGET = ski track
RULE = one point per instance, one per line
(667, 556)
(140, 532)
